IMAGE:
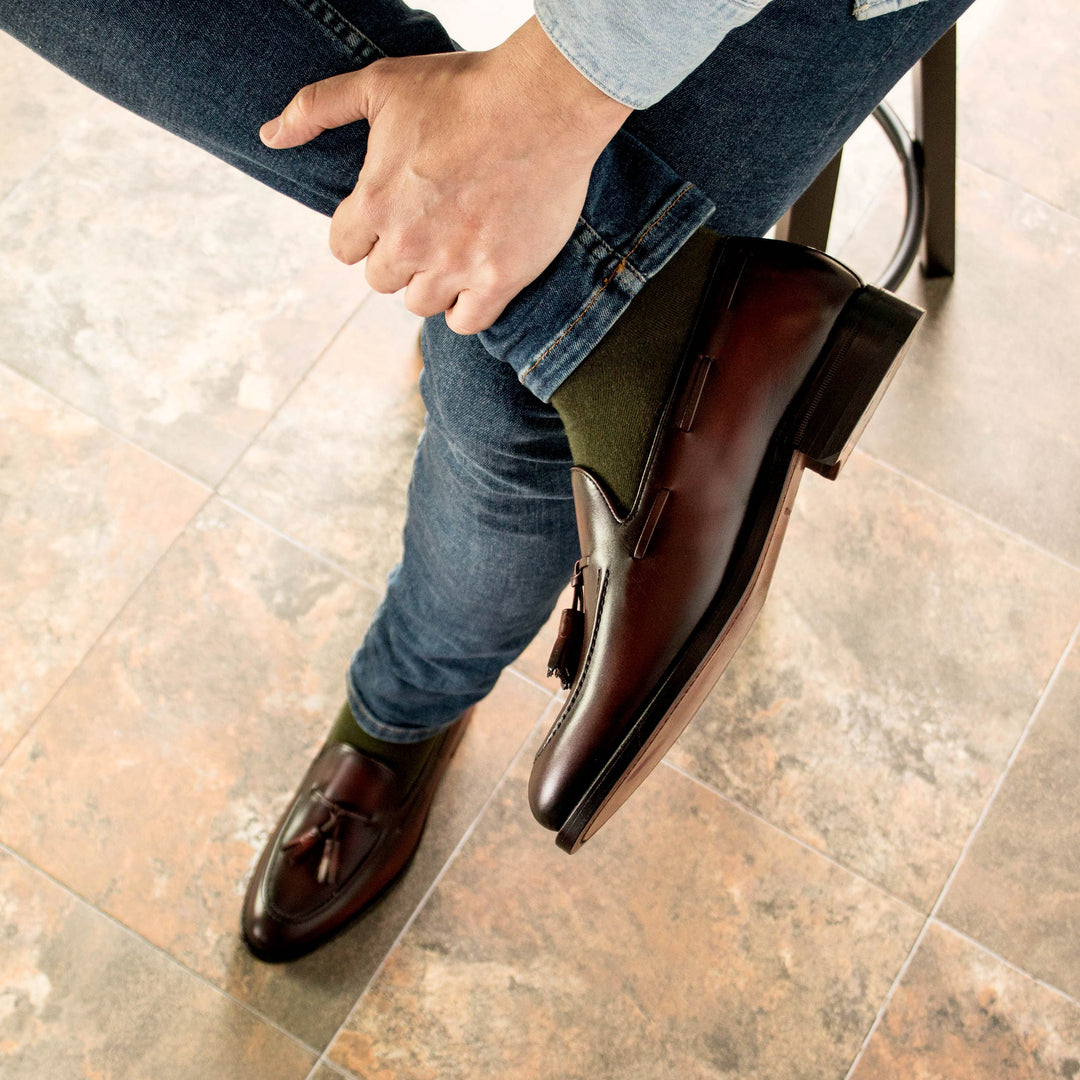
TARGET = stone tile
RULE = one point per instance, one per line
(984, 406)
(333, 466)
(727, 951)
(961, 1014)
(152, 781)
(330, 1072)
(80, 997)
(163, 292)
(83, 517)
(901, 650)
(1018, 889)
(1021, 128)
(38, 106)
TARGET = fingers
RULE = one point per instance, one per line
(329, 103)
(475, 311)
(353, 229)
(429, 294)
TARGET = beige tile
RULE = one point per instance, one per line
(984, 407)
(960, 1014)
(1017, 100)
(901, 650)
(1018, 890)
(333, 466)
(38, 106)
(163, 292)
(151, 783)
(686, 940)
(81, 999)
(83, 517)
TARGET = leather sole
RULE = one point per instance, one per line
(819, 431)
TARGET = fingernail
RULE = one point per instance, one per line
(269, 130)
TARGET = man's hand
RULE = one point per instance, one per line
(476, 170)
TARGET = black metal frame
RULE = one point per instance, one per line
(929, 164)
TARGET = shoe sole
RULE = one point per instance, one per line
(819, 430)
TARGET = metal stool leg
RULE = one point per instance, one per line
(808, 221)
(935, 130)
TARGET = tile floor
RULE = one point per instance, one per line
(863, 858)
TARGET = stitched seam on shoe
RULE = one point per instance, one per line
(614, 274)
(585, 667)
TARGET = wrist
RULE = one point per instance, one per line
(548, 73)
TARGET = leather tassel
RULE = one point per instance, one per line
(330, 862)
(300, 845)
(566, 652)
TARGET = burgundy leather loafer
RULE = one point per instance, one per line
(790, 355)
(349, 832)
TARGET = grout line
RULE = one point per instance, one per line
(136, 588)
(292, 392)
(337, 1070)
(172, 960)
(126, 439)
(794, 839)
(496, 788)
(1018, 186)
(933, 916)
(1056, 990)
(530, 681)
(313, 553)
(997, 525)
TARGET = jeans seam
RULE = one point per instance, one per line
(328, 16)
(622, 265)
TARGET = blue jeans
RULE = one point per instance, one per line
(490, 536)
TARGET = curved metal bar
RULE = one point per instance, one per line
(910, 155)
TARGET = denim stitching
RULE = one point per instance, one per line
(585, 667)
(359, 44)
(614, 274)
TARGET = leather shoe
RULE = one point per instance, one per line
(349, 832)
(790, 354)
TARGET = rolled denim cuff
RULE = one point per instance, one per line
(393, 733)
(638, 213)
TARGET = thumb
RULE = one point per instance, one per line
(329, 103)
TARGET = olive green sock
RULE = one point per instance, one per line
(611, 403)
(406, 759)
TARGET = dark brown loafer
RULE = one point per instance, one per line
(349, 832)
(790, 355)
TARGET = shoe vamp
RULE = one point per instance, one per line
(293, 887)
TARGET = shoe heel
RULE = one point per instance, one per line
(858, 361)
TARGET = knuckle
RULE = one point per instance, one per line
(341, 250)
(423, 308)
(376, 278)
(304, 102)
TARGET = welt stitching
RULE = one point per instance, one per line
(614, 274)
(585, 667)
